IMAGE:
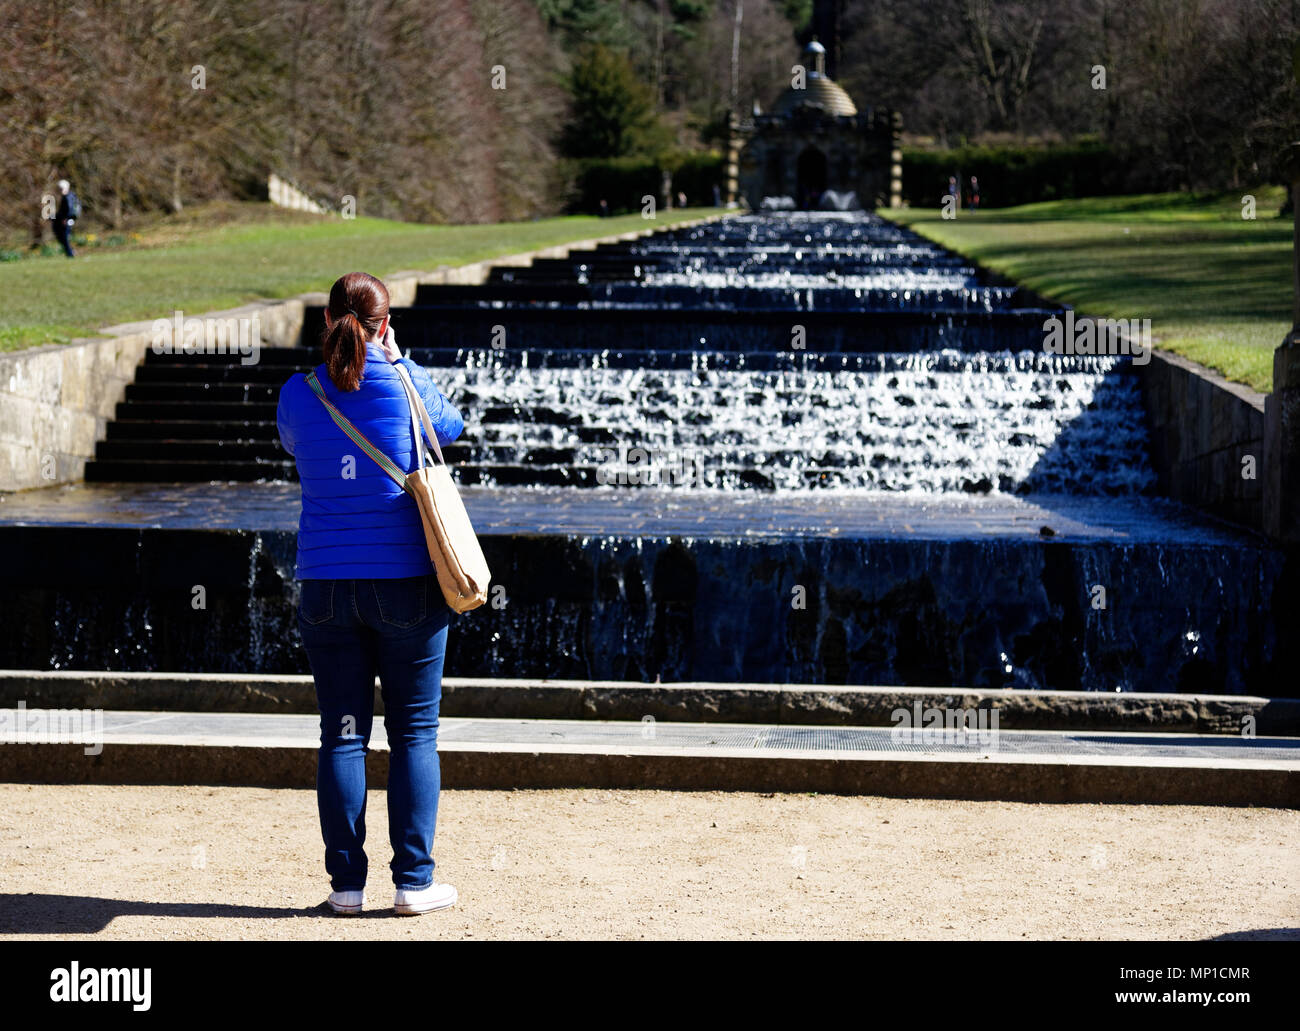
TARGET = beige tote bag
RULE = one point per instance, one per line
(453, 546)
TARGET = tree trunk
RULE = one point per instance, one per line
(734, 104)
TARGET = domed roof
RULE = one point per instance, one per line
(819, 91)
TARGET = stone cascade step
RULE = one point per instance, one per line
(560, 417)
(636, 297)
(641, 343)
(721, 329)
(977, 592)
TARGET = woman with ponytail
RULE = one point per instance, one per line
(370, 602)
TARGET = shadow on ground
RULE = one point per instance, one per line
(80, 914)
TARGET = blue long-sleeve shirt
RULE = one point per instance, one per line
(357, 523)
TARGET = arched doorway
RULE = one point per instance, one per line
(811, 170)
(774, 183)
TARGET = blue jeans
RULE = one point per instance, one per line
(353, 629)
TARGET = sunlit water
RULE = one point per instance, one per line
(934, 422)
(927, 421)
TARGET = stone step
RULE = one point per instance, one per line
(270, 450)
(217, 450)
(210, 370)
(201, 471)
(219, 411)
(250, 468)
(115, 747)
(732, 586)
(216, 461)
(651, 328)
(560, 295)
(266, 356)
(193, 429)
(223, 371)
(673, 474)
(191, 391)
(803, 704)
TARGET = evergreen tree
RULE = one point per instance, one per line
(613, 112)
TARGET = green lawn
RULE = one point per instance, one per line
(232, 254)
(1216, 287)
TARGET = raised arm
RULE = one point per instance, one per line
(447, 421)
(282, 420)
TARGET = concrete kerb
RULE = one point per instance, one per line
(1040, 779)
(808, 705)
(59, 398)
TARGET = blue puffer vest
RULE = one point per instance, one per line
(357, 523)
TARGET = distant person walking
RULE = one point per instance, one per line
(974, 194)
(370, 600)
(66, 213)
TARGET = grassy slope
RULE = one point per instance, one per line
(229, 255)
(1216, 287)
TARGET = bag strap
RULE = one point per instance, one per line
(421, 455)
(417, 405)
(359, 438)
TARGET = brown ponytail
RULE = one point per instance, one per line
(357, 307)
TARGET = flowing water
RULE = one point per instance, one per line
(972, 419)
(785, 447)
(931, 422)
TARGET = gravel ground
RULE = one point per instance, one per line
(126, 862)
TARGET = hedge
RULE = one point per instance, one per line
(1010, 175)
(622, 182)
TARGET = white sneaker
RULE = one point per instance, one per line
(347, 902)
(409, 902)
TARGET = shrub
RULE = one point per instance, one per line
(1016, 174)
(622, 182)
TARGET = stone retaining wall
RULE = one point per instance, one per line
(1207, 438)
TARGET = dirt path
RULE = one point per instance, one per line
(199, 862)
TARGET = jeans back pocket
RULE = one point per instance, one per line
(316, 603)
(402, 603)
